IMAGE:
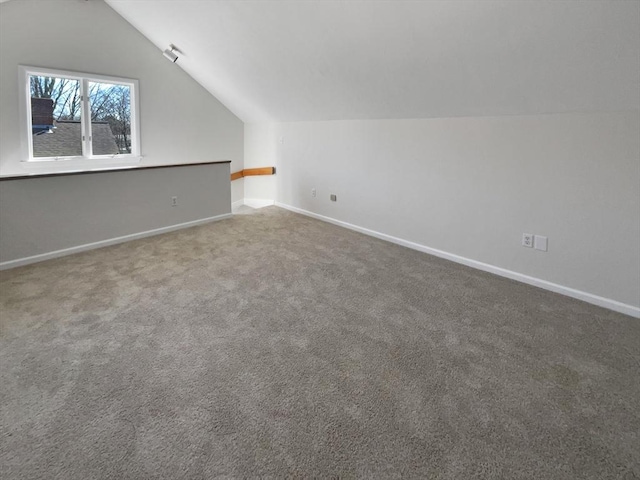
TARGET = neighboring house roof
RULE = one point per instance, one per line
(104, 143)
(66, 140)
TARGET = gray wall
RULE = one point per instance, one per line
(472, 187)
(43, 215)
(180, 121)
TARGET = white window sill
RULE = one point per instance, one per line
(79, 164)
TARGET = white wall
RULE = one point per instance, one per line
(473, 186)
(260, 150)
(180, 121)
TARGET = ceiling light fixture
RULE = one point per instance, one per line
(169, 53)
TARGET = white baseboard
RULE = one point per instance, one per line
(258, 202)
(553, 287)
(105, 243)
(237, 204)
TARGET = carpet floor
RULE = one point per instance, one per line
(275, 345)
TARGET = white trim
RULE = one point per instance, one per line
(80, 164)
(258, 202)
(105, 243)
(544, 284)
(237, 203)
(24, 113)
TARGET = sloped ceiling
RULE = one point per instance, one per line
(325, 60)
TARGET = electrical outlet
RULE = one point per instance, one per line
(174, 201)
(313, 192)
(527, 240)
(333, 198)
(540, 243)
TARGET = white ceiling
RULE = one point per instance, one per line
(323, 60)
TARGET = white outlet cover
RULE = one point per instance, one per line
(527, 240)
(540, 243)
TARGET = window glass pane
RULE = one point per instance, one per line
(56, 130)
(110, 118)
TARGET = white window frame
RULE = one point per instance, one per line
(87, 161)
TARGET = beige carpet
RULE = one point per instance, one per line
(276, 345)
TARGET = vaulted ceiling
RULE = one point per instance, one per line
(321, 60)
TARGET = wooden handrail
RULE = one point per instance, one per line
(248, 172)
(236, 175)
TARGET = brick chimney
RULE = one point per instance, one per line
(41, 111)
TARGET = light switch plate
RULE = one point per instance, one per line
(540, 243)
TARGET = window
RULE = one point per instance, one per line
(79, 119)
